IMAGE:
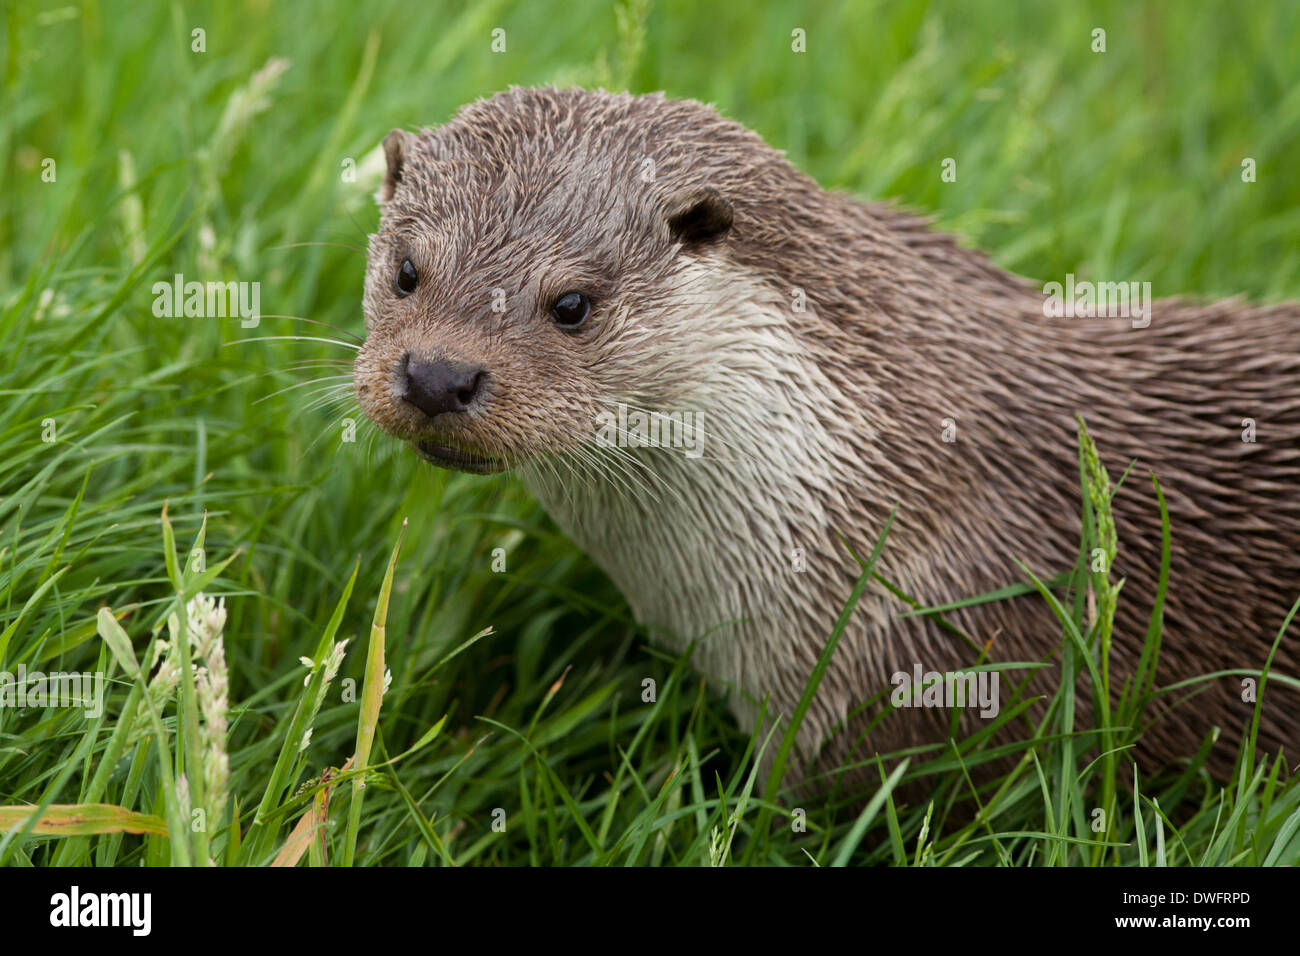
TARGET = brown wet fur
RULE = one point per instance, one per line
(539, 190)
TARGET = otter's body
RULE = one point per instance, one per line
(830, 347)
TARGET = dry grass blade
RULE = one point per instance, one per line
(83, 819)
(311, 824)
(372, 697)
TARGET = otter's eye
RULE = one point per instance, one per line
(407, 279)
(571, 310)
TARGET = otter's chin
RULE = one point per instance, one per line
(457, 459)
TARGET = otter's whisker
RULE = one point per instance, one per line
(293, 338)
(330, 395)
(338, 245)
(303, 318)
(335, 364)
(619, 462)
(314, 381)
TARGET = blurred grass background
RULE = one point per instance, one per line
(1123, 164)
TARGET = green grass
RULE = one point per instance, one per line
(1125, 163)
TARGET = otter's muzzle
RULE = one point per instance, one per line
(439, 386)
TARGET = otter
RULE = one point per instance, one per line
(549, 258)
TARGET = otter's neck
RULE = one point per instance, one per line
(731, 539)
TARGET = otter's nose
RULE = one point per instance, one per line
(440, 386)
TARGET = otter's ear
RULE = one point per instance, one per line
(699, 216)
(396, 145)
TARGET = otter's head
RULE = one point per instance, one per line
(537, 261)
